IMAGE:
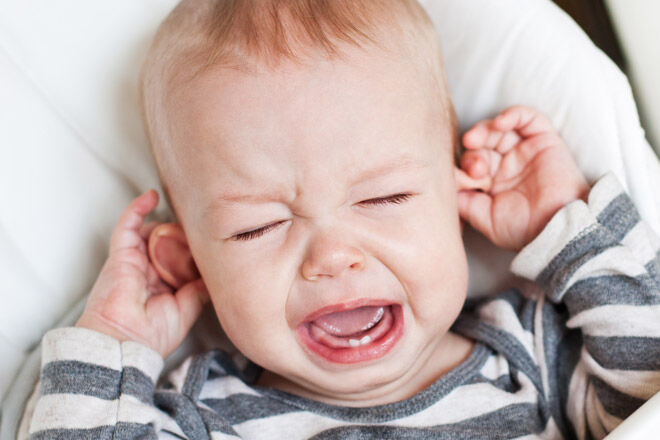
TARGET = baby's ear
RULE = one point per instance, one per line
(170, 255)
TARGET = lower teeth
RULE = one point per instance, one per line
(356, 343)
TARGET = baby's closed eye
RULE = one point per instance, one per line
(256, 233)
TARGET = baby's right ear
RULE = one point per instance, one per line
(170, 255)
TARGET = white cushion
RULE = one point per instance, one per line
(74, 151)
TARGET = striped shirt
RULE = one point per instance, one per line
(569, 361)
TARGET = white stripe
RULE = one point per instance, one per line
(609, 421)
(287, 426)
(618, 320)
(603, 192)
(642, 241)
(80, 344)
(132, 410)
(55, 411)
(460, 405)
(501, 314)
(143, 358)
(575, 406)
(640, 384)
(592, 412)
(215, 435)
(223, 387)
(616, 260)
(178, 376)
(564, 226)
(495, 366)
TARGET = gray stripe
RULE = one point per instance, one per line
(121, 431)
(196, 375)
(132, 431)
(575, 254)
(239, 407)
(99, 433)
(614, 401)
(505, 382)
(619, 216)
(184, 412)
(625, 352)
(74, 377)
(561, 352)
(502, 342)
(396, 410)
(611, 290)
(653, 268)
(215, 423)
(511, 421)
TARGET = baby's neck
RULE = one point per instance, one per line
(449, 353)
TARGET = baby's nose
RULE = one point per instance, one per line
(328, 256)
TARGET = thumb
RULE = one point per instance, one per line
(191, 299)
(475, 208)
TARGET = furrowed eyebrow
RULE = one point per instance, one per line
(400, 164)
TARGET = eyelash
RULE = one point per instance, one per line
(396, 199)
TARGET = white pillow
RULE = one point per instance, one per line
(74, 152)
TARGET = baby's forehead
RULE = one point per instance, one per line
(365, 102)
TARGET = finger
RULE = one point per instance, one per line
(475, 208)
(481, 163)
(477, 136)
(526, 121)
(519, 158)
(508, 140)
(145, 230)
(466, 182)
(155, 283)
(127, 231)
(475, 163)
(190, 300)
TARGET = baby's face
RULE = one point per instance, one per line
(309, 191)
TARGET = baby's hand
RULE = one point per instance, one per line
(129, 301)
(526, 174)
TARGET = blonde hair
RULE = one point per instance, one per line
(248, 34)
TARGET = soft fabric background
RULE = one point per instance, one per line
(73, 152)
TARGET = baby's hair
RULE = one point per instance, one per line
(249, 35)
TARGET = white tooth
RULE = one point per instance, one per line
(365, 340)
(354, 342)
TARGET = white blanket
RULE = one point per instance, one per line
(74, 152)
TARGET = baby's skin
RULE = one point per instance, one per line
(515, 174)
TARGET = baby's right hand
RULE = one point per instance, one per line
(129, 301)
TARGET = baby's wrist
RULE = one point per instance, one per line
(97, 325)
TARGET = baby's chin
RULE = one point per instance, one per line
(359, 384)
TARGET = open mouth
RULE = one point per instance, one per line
(354, 335)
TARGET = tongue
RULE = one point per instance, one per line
(351, 321)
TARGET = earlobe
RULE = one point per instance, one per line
(171, 256)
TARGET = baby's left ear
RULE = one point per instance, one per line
(170, 255)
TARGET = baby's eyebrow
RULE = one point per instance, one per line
(402, 163)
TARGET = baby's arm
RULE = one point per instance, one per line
(594, 258)
(600, 260)
(98, 378)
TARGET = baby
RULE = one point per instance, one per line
(310, 152)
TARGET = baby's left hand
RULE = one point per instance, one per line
(525, 172)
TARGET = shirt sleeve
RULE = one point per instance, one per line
(599, 262)
(93, 386)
